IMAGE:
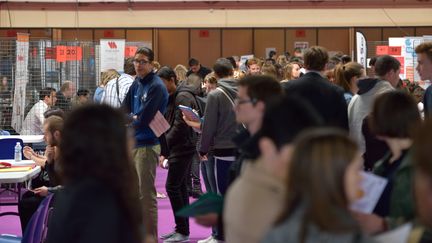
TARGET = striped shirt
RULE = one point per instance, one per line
(110, 95)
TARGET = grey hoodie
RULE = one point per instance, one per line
(361, 105)
(220, 123)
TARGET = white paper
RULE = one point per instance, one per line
(159, 124)
(372, 186)
(398, 235)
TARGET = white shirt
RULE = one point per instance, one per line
(33, 123)
(110, 97)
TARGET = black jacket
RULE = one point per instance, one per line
(202, 72)
(327, 98)
(180, 138)
(63, 103)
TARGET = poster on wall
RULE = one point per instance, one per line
(21, 80)
(268, 50)
(301, 44)
(112, 54)
(361, 48)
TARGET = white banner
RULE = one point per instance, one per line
(361, 48)
(112, 54)
(21, 80)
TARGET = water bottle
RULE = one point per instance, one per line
(18, 152)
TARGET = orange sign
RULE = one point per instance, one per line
(395, 50)
(73, 53)
(60, 53)
(68, 53)
(382, 50)
(130, 51)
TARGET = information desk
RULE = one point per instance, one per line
(18, 178)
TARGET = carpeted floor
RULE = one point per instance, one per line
(11, 224)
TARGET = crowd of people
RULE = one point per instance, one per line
(285, 141)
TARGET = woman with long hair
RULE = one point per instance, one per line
(291, 71)
(100, 200)
(323, 180)
(346, 76)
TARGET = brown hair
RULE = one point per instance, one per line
(394, 114)
(345, 72)
(315, 58)
(261, 87)
(54, 123)
(316, 180)
(210, 78)
(270, 70)
(422, 145)
(425, 48)
(252, 61)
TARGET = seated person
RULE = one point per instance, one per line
(100, 199)
(48, 180)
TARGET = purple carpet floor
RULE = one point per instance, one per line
(11, 224)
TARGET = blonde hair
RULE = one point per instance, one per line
(288, 70)
(107, 76)
(180, 72)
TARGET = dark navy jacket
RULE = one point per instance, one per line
(145, 97)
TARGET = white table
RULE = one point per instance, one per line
(17, 177)
(27, 138)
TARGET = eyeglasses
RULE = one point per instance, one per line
(141, 62)
(240, 101)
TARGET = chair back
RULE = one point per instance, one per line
(7, 147)
(36, 227)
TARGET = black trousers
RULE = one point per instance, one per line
(28, 204)
(176, 187)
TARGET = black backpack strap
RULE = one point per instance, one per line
(118, 89)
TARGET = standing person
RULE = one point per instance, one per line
(422, 161)
(316, 208)
(424, 68)
(181, 141)
(198, 69)
(219, 127)
(32, 124)
(105, 78)
(395, 205)
(146, 96)
(64, 96)
(387, 69)
(253, 66)
(347, 76)
(100, 199)
(117, 88)
(326, 98)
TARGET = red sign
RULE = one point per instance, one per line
(49, 53)
(382, 50)
(60, 53)
(73, 53)
(204, 33)
(68, 53)
(109, 33)
(130, 51)
(402, 62)
(395, 50)
(300, 33)
(11, 33)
